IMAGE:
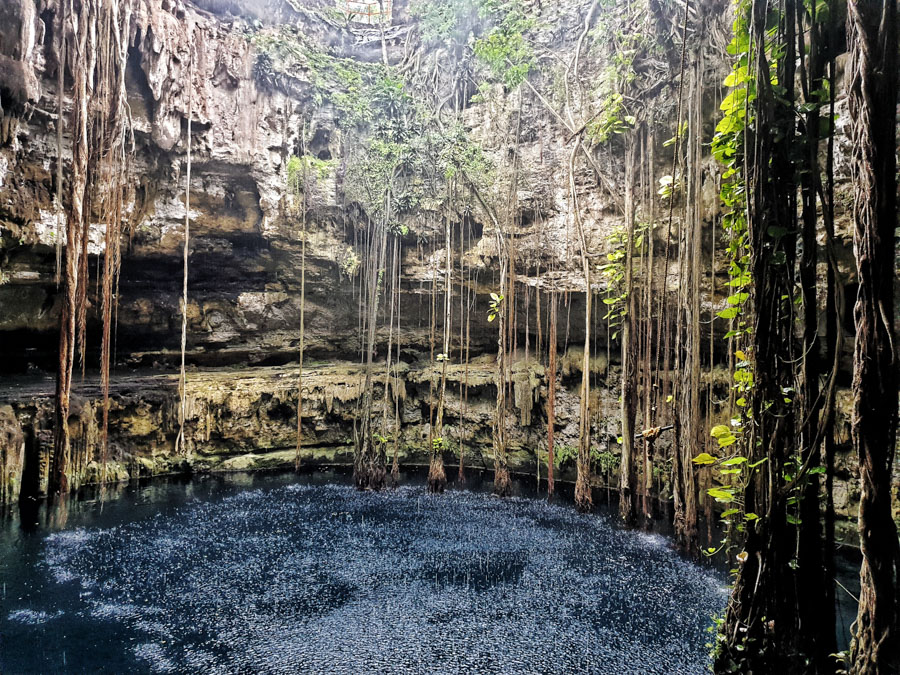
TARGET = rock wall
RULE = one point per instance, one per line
(243, 311)
(245, 418)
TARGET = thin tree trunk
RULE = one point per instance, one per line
(437, 476)
(369, 458)
(627, 478)
(687, 419)
(62, 13)
(395, 464)
(815, 607)
(303, 216)
(75, 233)
(551, 393)
(583, 496)
(649, 398)
(181, 442)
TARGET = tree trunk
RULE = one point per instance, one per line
(872, 36)
(627, 478)
(761, 631)
(502, 482)
(583, 497)
(687, 419)
(437, 475)
(369, 458)
(815, 607)
(551, 394)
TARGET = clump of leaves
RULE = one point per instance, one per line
(564, 454)
(494, 306)
(445, 21)
(606, 461)
(614, 272)
(503, 47)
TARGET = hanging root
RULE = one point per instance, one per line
(584, 501)
(502, 482)
(395, 466)
(437, 476)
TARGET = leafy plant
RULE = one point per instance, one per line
(444, 21)
(564, 454)
(503, 47)
(494, 306)
(614, 272)
(605, 461)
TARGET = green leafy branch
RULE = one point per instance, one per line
(494, 306)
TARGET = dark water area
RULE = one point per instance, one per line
(282, 573)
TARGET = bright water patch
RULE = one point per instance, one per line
(32, 617)
(326, 579)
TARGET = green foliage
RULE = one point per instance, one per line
(682, 131)
(494, 28)
(605, 461)
(728, 148)
(442, 444)
(736, 471)
(295, 174)
(614, 271)
(349, 263)
(399, 156)
(612, 121)
(668, 187)
(615, 80)
(445, 21)
(503, 47)
(312, 168)
(280, 53)
(564, 454)
(459, 154)
(715, 630)
(494, 306)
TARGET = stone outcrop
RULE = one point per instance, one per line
(239, 419)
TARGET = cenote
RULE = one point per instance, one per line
(640, 253)
(279, 573)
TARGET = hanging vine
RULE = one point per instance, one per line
(95, 43)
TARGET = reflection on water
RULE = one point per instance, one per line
(278, 573)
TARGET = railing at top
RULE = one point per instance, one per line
(369, 12)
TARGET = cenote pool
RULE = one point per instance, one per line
(285, 573)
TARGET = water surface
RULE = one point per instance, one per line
(285, 573)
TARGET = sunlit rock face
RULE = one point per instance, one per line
(204, 56)
(326, 579)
